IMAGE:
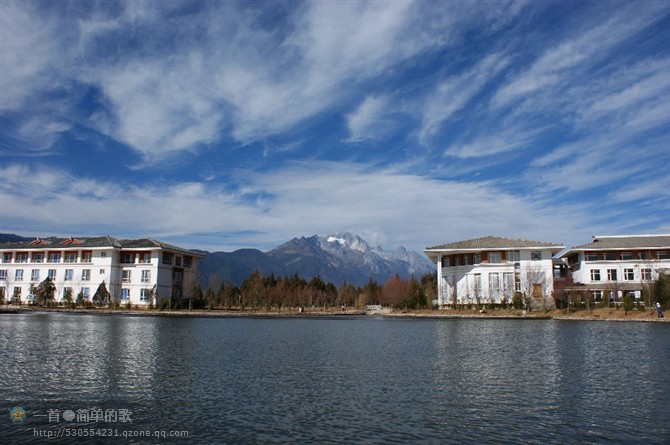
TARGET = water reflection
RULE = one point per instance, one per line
(348, 380)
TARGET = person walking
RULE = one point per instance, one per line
(658, 309)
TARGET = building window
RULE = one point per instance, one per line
(126, 276)
(6, 257)
(611, 274)
(643, 255)
(662, 255)
(86, 275)
(70, 257)
(86, 292)
(101, 271)
(103, 254)
(68, 274)
(508, 284)
(22, 258)
(146, 276)
(536, 255)
(3, 274)
(52, 274)
(167, 258)
(176, 277)
(127, 258)
(494, 257)
(645, 274)
(144, 294)
(629, 274)
(591, 256)
(445, 261)
(188, 261)
(38, 257)
(87, 257)
(494, 285)
(125, 294)
(478, 285)
(54, 257)
(457, 260)
(476, 258)
(35, 275)
(146, 258)
(626, 256)
(595, 274)
(513, 256)
(609, 256)
(18, 276)
(633, 294)
(597, 295)
(177, 261)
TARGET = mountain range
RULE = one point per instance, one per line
(337, 258)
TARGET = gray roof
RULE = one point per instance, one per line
(494, 242)
(626, 242)
(95, 241)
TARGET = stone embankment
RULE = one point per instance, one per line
(600, 314)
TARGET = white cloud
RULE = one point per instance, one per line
(303, 199)
(456, 92)
(574, 56)
(368, 121)
(508, 140)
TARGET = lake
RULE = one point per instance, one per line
(148, 379)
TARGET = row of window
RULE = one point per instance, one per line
(69, 275)
(613, 275)
(52, 257)
(145, 294)
(16, 292)
(495, 285)
(127, 276)
(465, 259)
(51, 273)
(614, 296)
(170, 259)
(627, 256)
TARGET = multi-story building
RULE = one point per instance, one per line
(611, 266)
(492, 269)
(136, 271)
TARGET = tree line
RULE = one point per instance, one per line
(274, 293)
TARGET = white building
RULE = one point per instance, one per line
(492, 269)
(610, 266)
(133, 270)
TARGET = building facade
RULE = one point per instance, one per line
(492, 269)
(139, 271)
(611, 266)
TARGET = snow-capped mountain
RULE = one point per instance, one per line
(336, 258)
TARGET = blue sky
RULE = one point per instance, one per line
(221, 125)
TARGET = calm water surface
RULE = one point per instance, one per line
(358, 380)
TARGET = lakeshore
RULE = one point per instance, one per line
(596, 314)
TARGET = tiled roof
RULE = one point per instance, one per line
(150, 243)
(92, 242)
(494, 242)
(54, 242)
(626, 242)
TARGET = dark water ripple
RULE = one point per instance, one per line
(342, 381)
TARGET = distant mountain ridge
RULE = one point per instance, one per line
(337, 258)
